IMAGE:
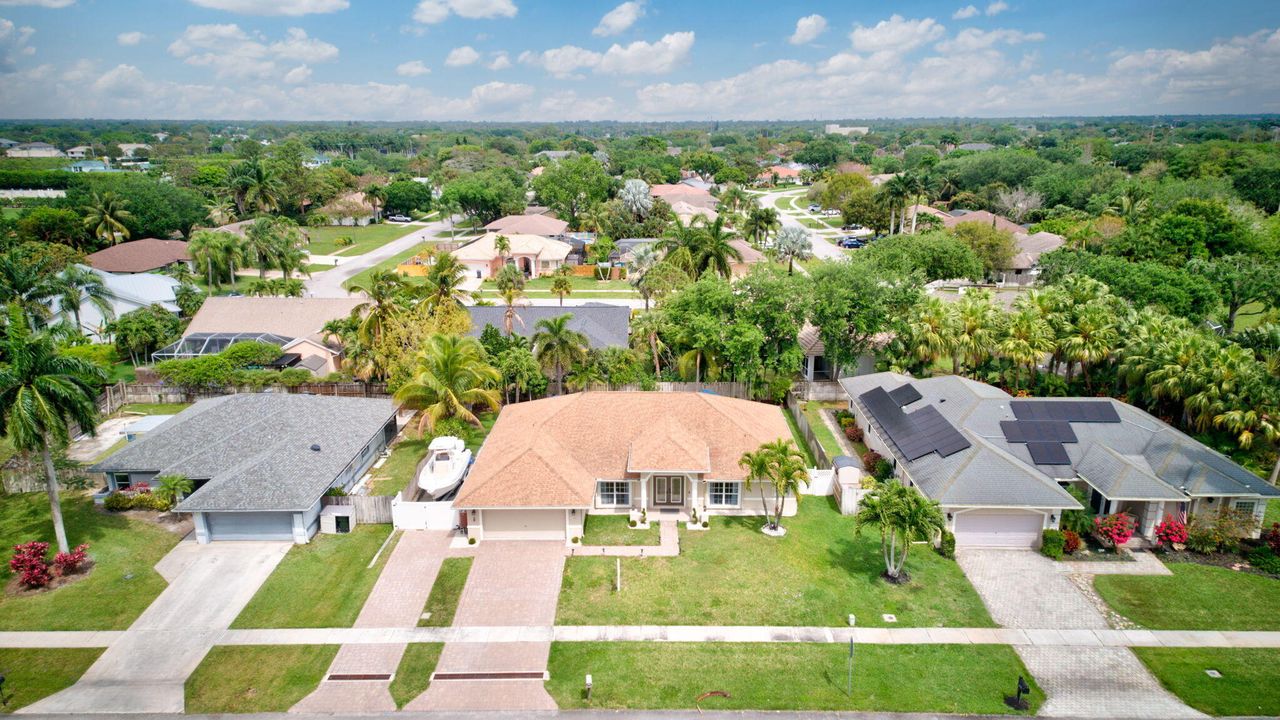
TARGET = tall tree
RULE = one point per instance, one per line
(105, 217)
(793, 244)
(573, 185)
(558, 347)
(77, 283)
(450, 378)
(903, 516)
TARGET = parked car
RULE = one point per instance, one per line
(851, 243)
(814, 207)
(399, 218)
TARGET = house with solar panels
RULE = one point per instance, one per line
(999, 466)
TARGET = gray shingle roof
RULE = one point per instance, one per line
(1004, 474)
(604, 325)
(255, 448)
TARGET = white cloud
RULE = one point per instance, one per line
(895, 34)
(39, 3)
(232, 52)
(131, 38)
(563, 61)
(808, 28)
(430, 12)
(13, 44)
(412, 68)
(500, 61)
(298, 75)
(461, 56)
(964, 13)
(619, 19)
(121, 80)
(275, 7)
(637, 58)
(500, 94)
(971, 39)
(997, 7)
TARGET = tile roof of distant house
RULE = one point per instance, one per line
(549, 453)
(976, 146)
(256, 449)
(556, 154)
(283, 316)
(983, 216)
(483, 248)
(665, 191)
(1032, 246)
(141, 255)
(528, 224)
(604, 325)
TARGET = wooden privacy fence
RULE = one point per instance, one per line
(802, 422)
(159, 393)
(369, 508)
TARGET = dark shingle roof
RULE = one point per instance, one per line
(604, 325)
(255, 448)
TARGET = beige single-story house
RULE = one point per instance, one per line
(528, 224)
(535, 255)
(547, 463)
(140, 256)
(1025, 268)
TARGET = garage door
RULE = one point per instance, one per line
(996, 528)
(523, 524)
(249, 526)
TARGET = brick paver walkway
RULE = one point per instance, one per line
(396, 601)
(514, 585)
(668, 545)
(1022, 589)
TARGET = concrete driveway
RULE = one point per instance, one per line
(329, 282)
(144, 671)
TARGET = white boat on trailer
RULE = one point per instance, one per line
(445, 466)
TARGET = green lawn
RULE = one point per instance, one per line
(394, 474)
(1248, 686)
(799, 438)
(121, 584)
(579, 283)
(155, 408)
(369, 237)
(614, 530)
(820, 224)
(966, 679)
(1250, 316)
(1272, 515)
(732, 574)
(241, 285)
(317, 268)
(122, 371)
(443, 601)
(414, 674)
(390, 263)
(1195, 597)
(813, 414)
(33, 674)
(110, 451)
(321, 584)
(256, 678)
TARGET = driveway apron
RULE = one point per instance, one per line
(512, 584)
(145, 669)
(1025, 590)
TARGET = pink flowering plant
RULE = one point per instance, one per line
(1171, 531)
(1115, 529)
(30, 564)
(68, 563)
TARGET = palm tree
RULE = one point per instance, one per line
(646, 334)
(221, 211)
(105, 217)
(375, 195)
(1091, 339)
(643, 259)
(76, 283)
(254, 185)
(903, 516)
(384, 288)
(41, 394)
(27, 285)
(793, 244)
(502, 245)
(756, 463)
(680, 243)
(443, 284)
(896, 191)
(512, 295)
(714, 250)
(735, 199)
(697, 358)
(760, 222)
(561, 285)
(262, 244)
(1028, 338)
(450, 377)
(558, 347)
(636, 198)
(206, 248)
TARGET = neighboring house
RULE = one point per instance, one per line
(352, 209)
(857, 131)
(34, 150)
(79, 152)
(140, 256)
(680, 193)
(698, 183)
(976, 146)
(259, 462)
(294, 324)
(555, 154)
(999, 465)
(955, 217)
(604, 325)
(87, 166)
(6, 143)
(1025, 267)
(788, 174)
(881, 179)
(528, 224)
(818, 367)
(316, 161)
(535, 255)
(750, 257)
(547, 463)
(687, 212)
(129, 150)
(124, 293)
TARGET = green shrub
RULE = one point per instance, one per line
(947, 545)
(1201, 539)
(344, 241)
(1052, 543)
(250, 353)
(335, 492)
(209, 371)
(118, 502)
(102, 355)
(1264, 558)
(293, 377)
(883, 469)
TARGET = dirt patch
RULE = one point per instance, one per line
(15, 588)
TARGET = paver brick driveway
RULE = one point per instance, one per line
(1024, 590)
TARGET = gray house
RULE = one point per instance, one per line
(604, 325)
(999, 466)
(259, 462)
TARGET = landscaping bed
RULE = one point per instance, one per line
(1195, 597)
(321, 584)
(732, 574)
(442, 603)
(614, 530)
(969, 679)
(33, 674)
(256, 678)
(1250, 677)
(414, 673)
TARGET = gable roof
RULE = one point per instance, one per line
(529, 224)
(551, 452)
(256, 448)
(604, 325)
(283, 316)
(141, 255)
(482, 248)
(1032, 246)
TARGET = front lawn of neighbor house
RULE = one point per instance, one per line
(256, 678)
(442, 603)
(414, 673)
(321, 584)
(1195, 597)
(1248, 686)
(966, 679)
(32, 674)
(615, 530)
(324, 240)
(732, 574)
(116, 590)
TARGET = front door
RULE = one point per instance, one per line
(668, 490)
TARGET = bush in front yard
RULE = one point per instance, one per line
(1171, 530)
(870, 458)
(30, 564)
(118, 502)
(1070, 542)
(1052, 543)
(1264, 559)
(882, 470)
(947, 545)
(1114, 529)
(1271, 536)
(67, 563)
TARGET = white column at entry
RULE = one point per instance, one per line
(693, 491)
(644, 492)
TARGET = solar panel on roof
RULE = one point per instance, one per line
(915, 434)
(905, 395)
(1048, 453)
(1018, 431)
(1099, 411)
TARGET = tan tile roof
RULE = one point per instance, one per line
(482, 248)
(139, 255)
(549, 453)
(666, 191)
(287, 317)
(528, 224)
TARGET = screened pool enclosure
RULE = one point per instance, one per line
(197, 344)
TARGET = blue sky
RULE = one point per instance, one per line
(641, 59)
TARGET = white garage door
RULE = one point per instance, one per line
(250, 525)
(998, 528)
(523, 524)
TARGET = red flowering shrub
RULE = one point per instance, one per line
(870, 458)
(30, 564)
(1070, 542)
(1171, 530)
(853, 432)
(1271, 536)
(1114, 529)
(66, 563)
